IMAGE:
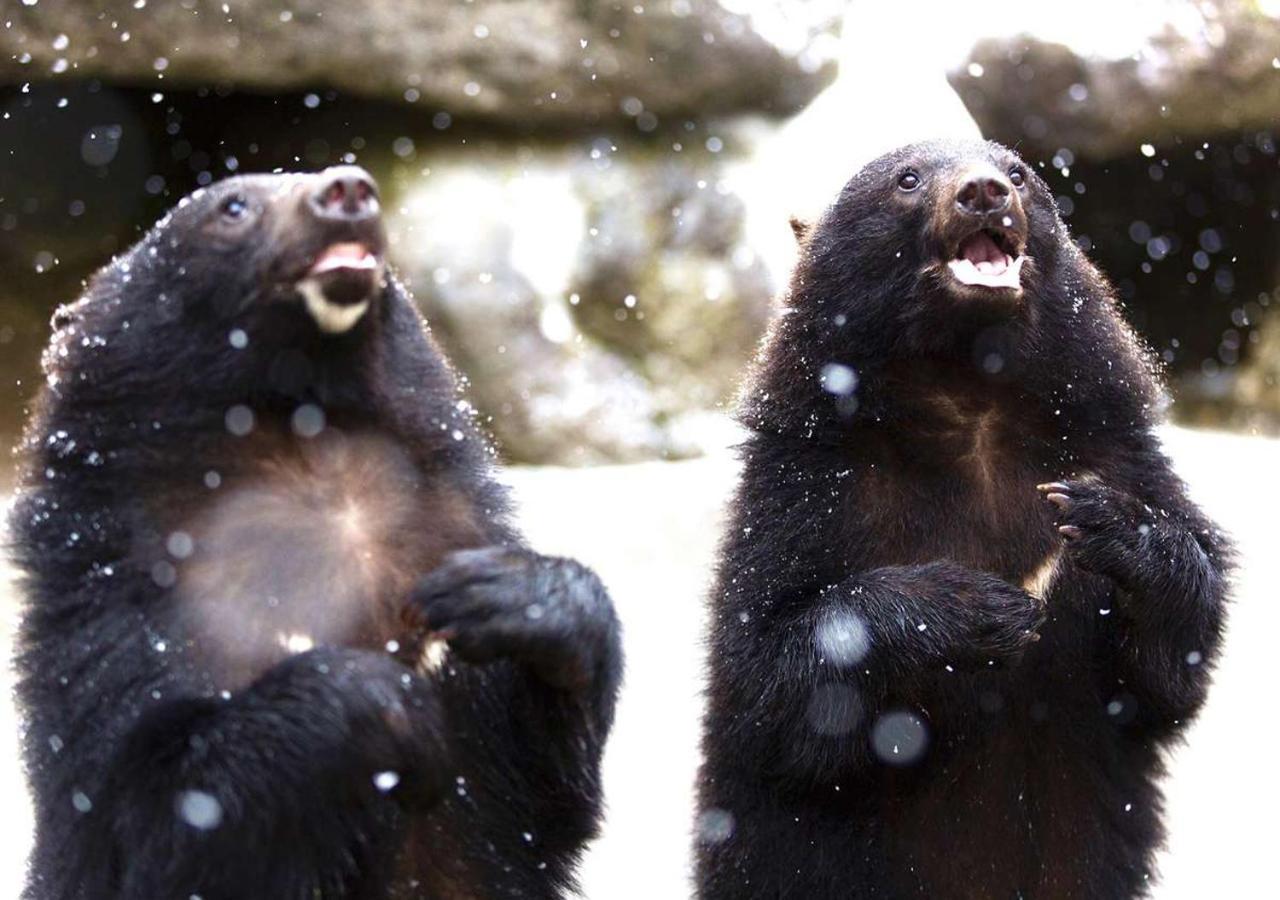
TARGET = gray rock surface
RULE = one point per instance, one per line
(601, 297)
(517, 61)
(1217, 73)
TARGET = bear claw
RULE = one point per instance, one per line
(1060, 500)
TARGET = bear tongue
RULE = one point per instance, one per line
(980, 248)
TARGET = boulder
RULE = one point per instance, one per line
(535, 62)
(599, 295)
(1206, 69)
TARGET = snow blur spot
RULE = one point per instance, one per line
(100, 144)
(297, 642)
(180, 545)
(308, 420)
(838, 379)
(199, 809)
(403, 147)
(164, 574)
(1123, 708)
(238, 338)
(899, 738)
(80, 800)
(842, 638)
(715, 825)
(555, 324)
(386, 781)
(239, 420)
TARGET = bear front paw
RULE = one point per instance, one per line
(503, 602)
(1008, 621)
(1103, 528)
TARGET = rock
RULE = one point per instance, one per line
(520, 61)
(1212, 69)
(598, 296)
(666, 278)
(1258, 387)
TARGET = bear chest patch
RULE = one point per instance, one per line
(312, 544)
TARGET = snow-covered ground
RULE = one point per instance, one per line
(650, 530)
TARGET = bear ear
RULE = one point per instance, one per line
(799, 228)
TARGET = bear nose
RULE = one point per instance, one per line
(983, 194)
(345, 194)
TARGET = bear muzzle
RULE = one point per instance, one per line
(347, 273)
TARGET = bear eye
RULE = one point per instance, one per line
(234, 208)
(908, 181)
(1016, 176)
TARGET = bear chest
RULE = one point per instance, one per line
(310, 544)
(966, 494)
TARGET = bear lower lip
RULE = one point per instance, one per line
(337, 288)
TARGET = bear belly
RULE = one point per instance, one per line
(1006, 817)
(314, 544)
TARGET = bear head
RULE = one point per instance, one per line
(258, 283)
(943, 266)
(314, 242)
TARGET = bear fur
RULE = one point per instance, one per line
(249, 521)
(928, 678)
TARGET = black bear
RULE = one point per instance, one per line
(281, 639)
(929, 678)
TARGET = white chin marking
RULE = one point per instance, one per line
(332, 318)
(1006, 274)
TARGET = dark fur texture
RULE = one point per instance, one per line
(891, 713)
(172, 761)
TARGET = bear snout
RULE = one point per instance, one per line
(984, 192)
(345, 194)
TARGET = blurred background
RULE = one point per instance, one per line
(589, 199)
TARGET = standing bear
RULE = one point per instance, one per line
(280, 638)
(963, 603)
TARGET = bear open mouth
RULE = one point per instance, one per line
(339, 284)
(988, 258)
